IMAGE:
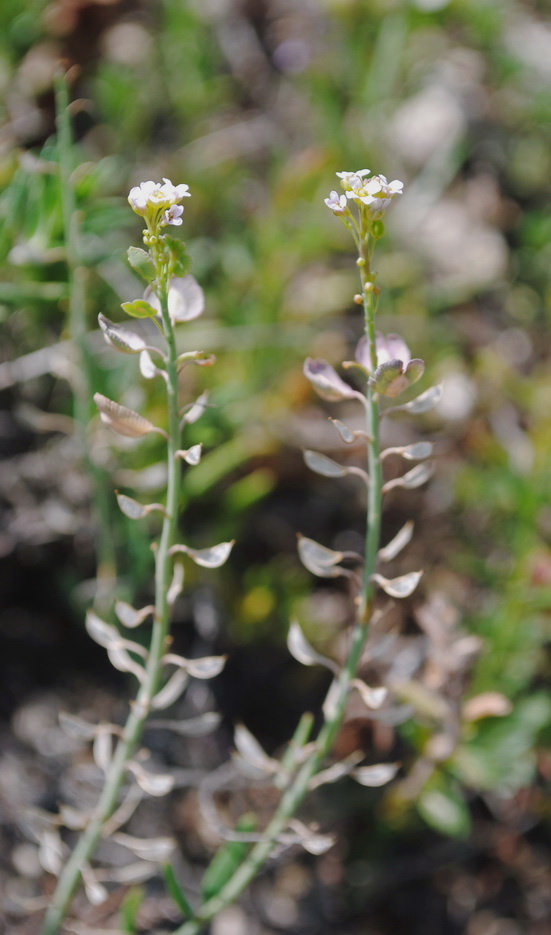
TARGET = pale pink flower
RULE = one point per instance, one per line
(336, 203)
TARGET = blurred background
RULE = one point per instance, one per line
(255, 105)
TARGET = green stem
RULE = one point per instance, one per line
(298, 787)
(72, 872)
(77, 276)
(374, 498)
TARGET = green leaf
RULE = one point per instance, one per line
(174, 891)
(445, 811)
(226, 860)
(129, 909)
(503, 751)
(141, 263)
(181, 260)
(139, 309)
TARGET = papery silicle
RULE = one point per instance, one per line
(186, 299)
(326, 381)
(387, 347)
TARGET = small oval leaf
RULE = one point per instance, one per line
(206, 668)
(101, 632)
(72, 818)
(149, 370)
(347, 435)
(154, 849)
(250, 750)
(139, 309)
(417, 452)
(196, 409)
(76, 727)
(131, 508)
(141, 262)
(102, 750)
(122, 420)
(318, 843)
(171, 691)
(191, 727)
(176, 584)
(332, 774)
(425, 402)
(332, 700)
(300, 649)
(122, 339)
(373, 698)
(399, 542)
(418, 475)
(377, 775)
(445, 810)
(323, 465)
(50, 852)
(129, 616)
(399, 587)
(318, 559)
(191, 455)
(96, 893)
(213, 557)
(326, 381)
(120, 660)
(488, 704)
(156, 784)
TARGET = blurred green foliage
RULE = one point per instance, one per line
(256, 106)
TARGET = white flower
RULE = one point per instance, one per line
(149, 197)
(376, 192)
(173, 215)
(336, 203)
(175, 192)
(352, 179)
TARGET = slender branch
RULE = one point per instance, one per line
(299, 785)
(72, 872)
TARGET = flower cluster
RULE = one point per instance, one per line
(375, 192)
(159, 203)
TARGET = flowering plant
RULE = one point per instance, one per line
(171, 296)
(386, 369)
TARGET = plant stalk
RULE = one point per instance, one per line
(298, 787)
(71, 874)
